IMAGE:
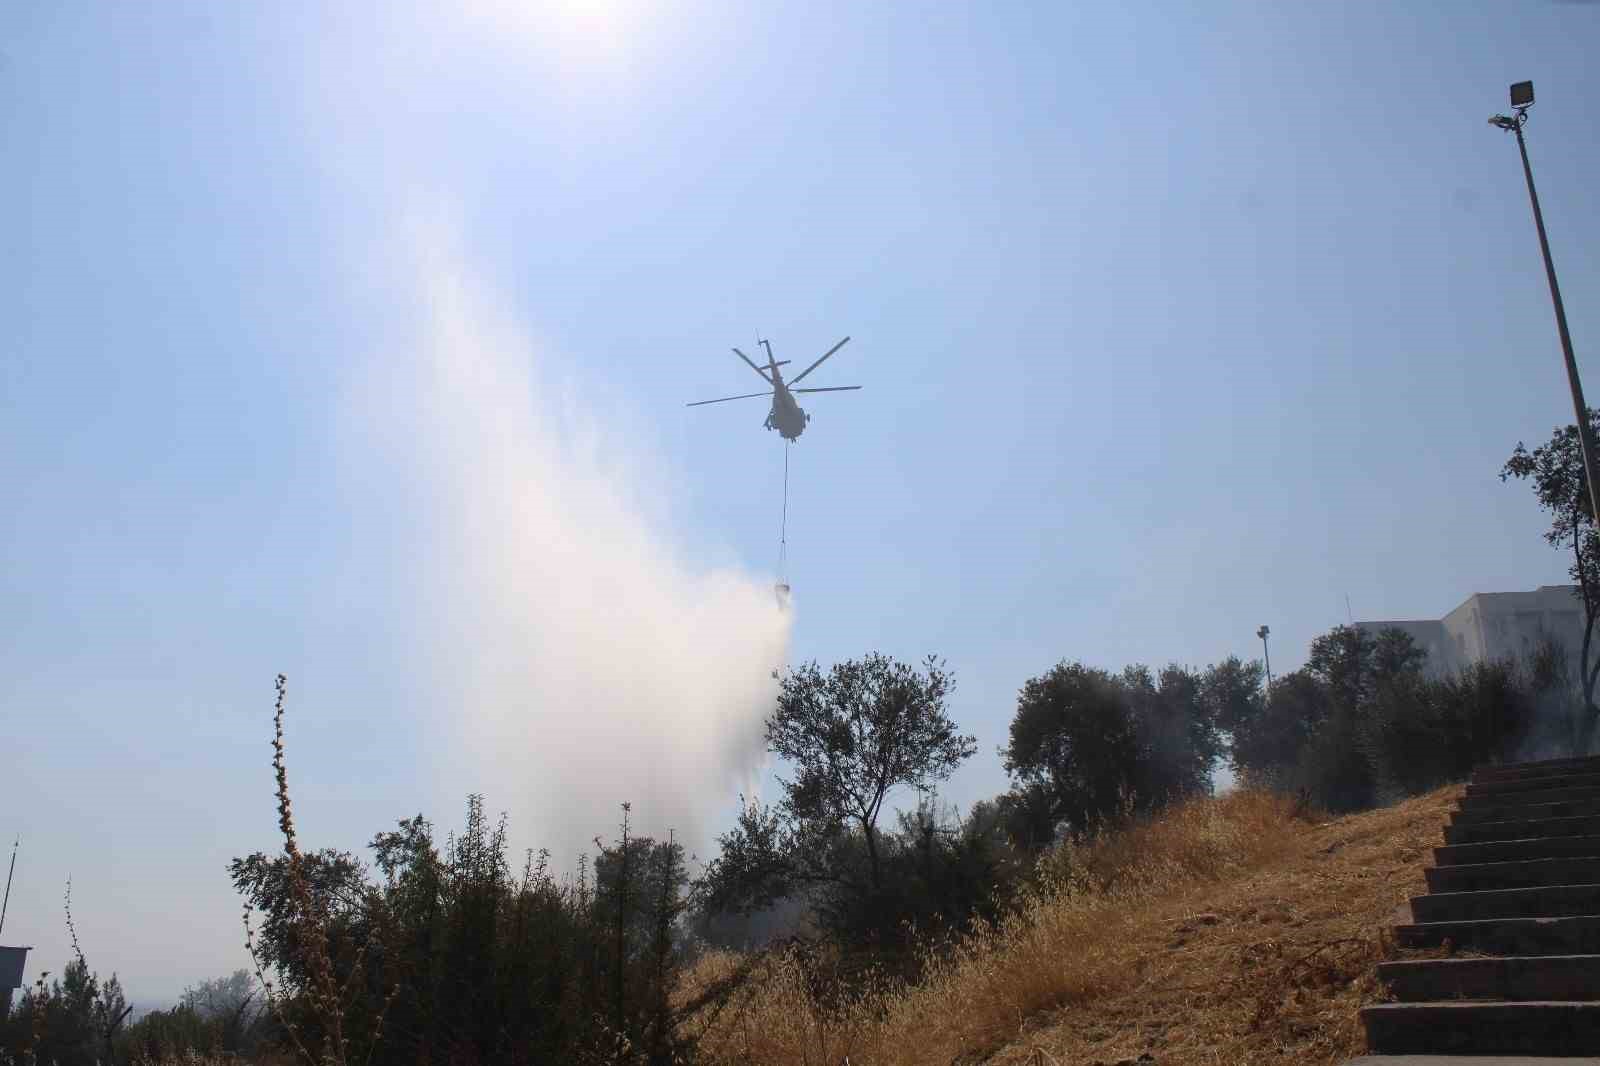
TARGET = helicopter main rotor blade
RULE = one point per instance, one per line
(725, 399)
(819, 362)
(752, 366)
(836, 388)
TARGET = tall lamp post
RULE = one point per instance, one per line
(1521, 100)
(1262, 633)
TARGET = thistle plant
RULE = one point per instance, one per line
(324, 995)
(111, 1017)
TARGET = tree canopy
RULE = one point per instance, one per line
(1086, 744)
(852, 735)
(1555, 470)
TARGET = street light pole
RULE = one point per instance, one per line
(1521, 100)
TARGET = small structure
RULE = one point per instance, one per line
(11, 963)
(11, 959)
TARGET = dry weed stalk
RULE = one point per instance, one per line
(326, 997)
(36, 1019)
(111, 1024)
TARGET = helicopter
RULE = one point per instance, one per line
(786, 416)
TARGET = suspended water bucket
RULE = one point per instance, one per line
(782, 591)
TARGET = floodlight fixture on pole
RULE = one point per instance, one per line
(1521, 100)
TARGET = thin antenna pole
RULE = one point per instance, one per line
(4, 906)
(1348, 612)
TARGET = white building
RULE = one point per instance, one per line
(1496, 625)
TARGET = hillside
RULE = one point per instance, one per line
(1230, 931)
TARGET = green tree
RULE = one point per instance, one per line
(1233, 692)
(163, 1035)
(76, 1019)
(232, 1003)
(1093, 744)
(338, 887)
(1354, 664)
(1027, 814)
(1179, 741)
(858, 732)
(469, 963)
(1555, 469)
(1268, 744)
(1074, 742)
(450, 958)
(1343, 728)
(951, 870)
(852, 736)
(666, 886)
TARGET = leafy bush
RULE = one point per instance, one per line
(852, 735)
(450, 957)
(1362, 724)
(1087, 746)
(68, 1021)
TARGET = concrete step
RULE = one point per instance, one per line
(1544, 901)
(1482, 832)
(1538, 977)
(1551, 901)
(1478, 802)
(1571, 935)
(1511, 786)
(1544, 1027)
(1525, 873)
(1584, 764)
(1558, 847)
(1524, 812)
(1475, 1060)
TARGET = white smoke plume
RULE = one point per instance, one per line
(578, 657)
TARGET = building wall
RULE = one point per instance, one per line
(1497, 625)
(1431, 636)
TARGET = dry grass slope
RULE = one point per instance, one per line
(1227, 932)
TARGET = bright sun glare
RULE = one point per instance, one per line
(581, 37)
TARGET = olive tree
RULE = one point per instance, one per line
(852, 735)
(1555, 469)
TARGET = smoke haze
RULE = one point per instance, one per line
(577, 658)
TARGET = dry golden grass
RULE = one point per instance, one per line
(1227, 932)
(199, 1058)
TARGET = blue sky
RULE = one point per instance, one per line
(1172, 319)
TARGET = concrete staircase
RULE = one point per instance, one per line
(1519, 880)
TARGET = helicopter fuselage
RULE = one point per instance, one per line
(786, 416)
